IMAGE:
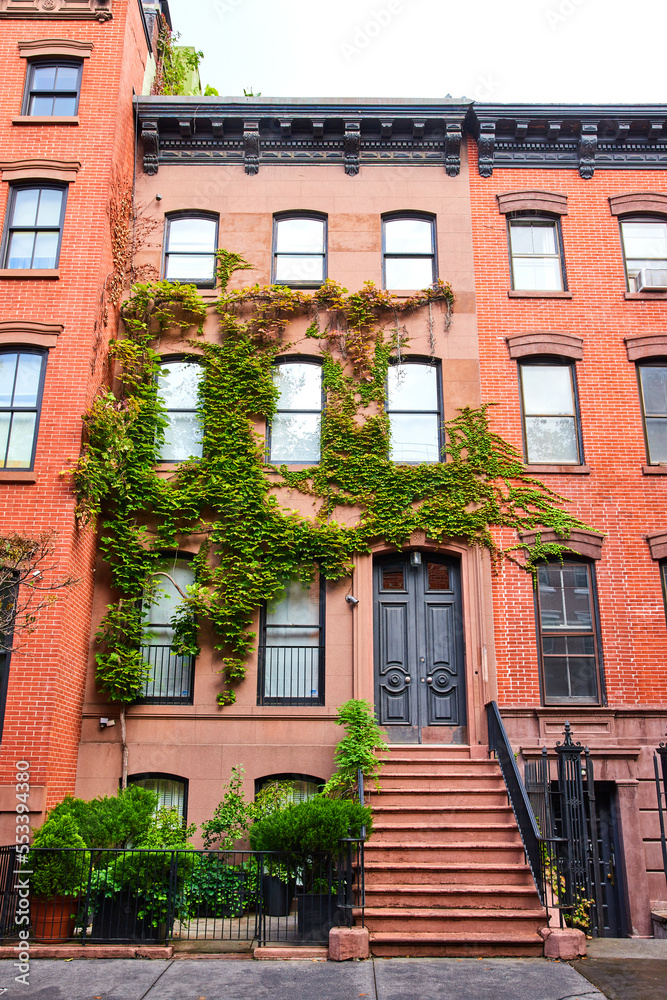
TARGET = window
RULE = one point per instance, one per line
(414, 410)
(172, 674)
(644, 246)
(653, 391)
(35, 225)
(291, 652)
(190, 245)
(295, 428)
(52, 88)
(550, 426)
(304, 786)
(178, 390)
(299, 250)
(568, 633)
(408, 252)
(171, 790)
(21, 385)
(535, 254)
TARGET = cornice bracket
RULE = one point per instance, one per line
(485, 147)
(588, 144)
(453, 149)
(151, 140)
(352, 145)
(251, 146)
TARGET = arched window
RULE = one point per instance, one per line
(21, 388)
(172, 791)
(569, 646)
(178, 389)
(299, 249)
(295, 428)
(408, 251)
(191, 240)
(644, 241)
(304, 786)
(415, 411)
(551, 428)
(171, 674)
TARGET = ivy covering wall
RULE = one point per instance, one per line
(227, 504)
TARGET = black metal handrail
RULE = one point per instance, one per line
(533, 842)
(172, 677)
(660, 769)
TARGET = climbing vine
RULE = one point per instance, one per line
(227, 501)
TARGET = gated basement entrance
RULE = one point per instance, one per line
(419, 675)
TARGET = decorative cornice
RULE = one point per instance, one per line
(638, 201)
(57, 10)
(40, 169)
(657, 543)
(532, 201)
(583, 137)
(71, 47)
(585, 543)
(253, 132)
(541, 342)
(646, 345)
(16, 331)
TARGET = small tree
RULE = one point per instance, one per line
(28, 584)
(357, 750)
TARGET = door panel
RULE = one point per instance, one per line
(418, 646)
(394, 670)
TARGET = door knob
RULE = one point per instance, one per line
(429, 680)
(408, 680)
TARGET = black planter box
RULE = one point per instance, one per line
(117, 920)
(316, 915)
(277, 895)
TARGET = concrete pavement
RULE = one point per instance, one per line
(239, 979)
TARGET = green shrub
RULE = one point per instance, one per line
(56, 872)
(357, 750)
(112, 821)
(312, 827)
(232, 816)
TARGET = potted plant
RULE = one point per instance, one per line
(308, 834)
(56, 878)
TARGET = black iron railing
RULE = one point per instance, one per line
(149, 896)
(290, 675)
(172, 677)
(660, 768)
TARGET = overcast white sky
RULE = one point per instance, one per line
(518, 50)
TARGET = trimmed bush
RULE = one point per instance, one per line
(56, 872)
(311, 827)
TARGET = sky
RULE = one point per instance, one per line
(571, 51)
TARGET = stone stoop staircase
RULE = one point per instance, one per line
(445, 867)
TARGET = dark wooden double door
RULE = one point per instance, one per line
(419, 675)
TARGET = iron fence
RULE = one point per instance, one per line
(139, 895)
(290, 675)
(172, 677)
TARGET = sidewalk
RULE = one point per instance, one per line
(241, 979)
(627, 969)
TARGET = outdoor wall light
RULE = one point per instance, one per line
(158, 197)
(415, 559)
(352, 600)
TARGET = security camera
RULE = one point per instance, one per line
(352, 600)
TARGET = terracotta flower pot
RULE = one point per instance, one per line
(53, 918)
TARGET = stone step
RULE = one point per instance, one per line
(500, 944)
(454, 851)
(475, 872)
(433, 780)
(439, 832)
(435, 813)
(438, 796)
(461, 896)
(439, 765)
(444, 920)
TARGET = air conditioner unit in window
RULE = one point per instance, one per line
(652, 279)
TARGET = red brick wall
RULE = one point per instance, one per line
(43, 717)
(616, 497)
